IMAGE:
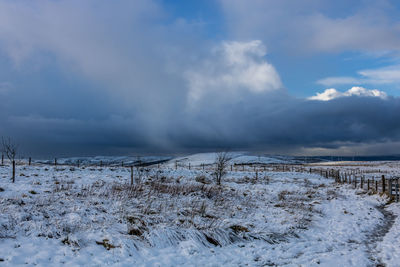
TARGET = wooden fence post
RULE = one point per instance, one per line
(2, 159)
(13, 171)
(30, 161)
(376, 186)
(368, 184)
(55, 162)
(383, 184)
(131, 175)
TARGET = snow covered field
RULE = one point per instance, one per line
(174, 215)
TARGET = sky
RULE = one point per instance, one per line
(97, 77)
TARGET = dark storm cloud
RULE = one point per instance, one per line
(292, 123)
(126, 78)
(259, 123)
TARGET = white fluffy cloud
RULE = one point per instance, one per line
(332, 93)
(232, 68)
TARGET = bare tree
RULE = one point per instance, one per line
(221, 162)
(10, 149)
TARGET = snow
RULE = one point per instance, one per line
(105, 160)
(389, 247)
(235, 158)
(91, 216)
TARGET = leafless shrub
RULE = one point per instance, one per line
(202, 179)
(10, 149)
(221, 162)
(139, 174)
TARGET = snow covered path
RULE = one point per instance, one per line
(377, 235)
(84, 216)
(388, 248)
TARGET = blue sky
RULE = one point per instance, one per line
(300, 72)
(167, 76)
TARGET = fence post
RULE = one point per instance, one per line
(390, 187)
(368, 184)
(131, 175)
(30, 161)
(383, 184)
(189, 165)
(376, 186)
(2, 159)
(78, 163)
(13, 171)
(55, 162)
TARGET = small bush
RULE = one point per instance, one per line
(202, 179)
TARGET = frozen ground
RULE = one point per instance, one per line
(175, 216)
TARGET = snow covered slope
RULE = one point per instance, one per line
(91, 216)
(236, 158)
